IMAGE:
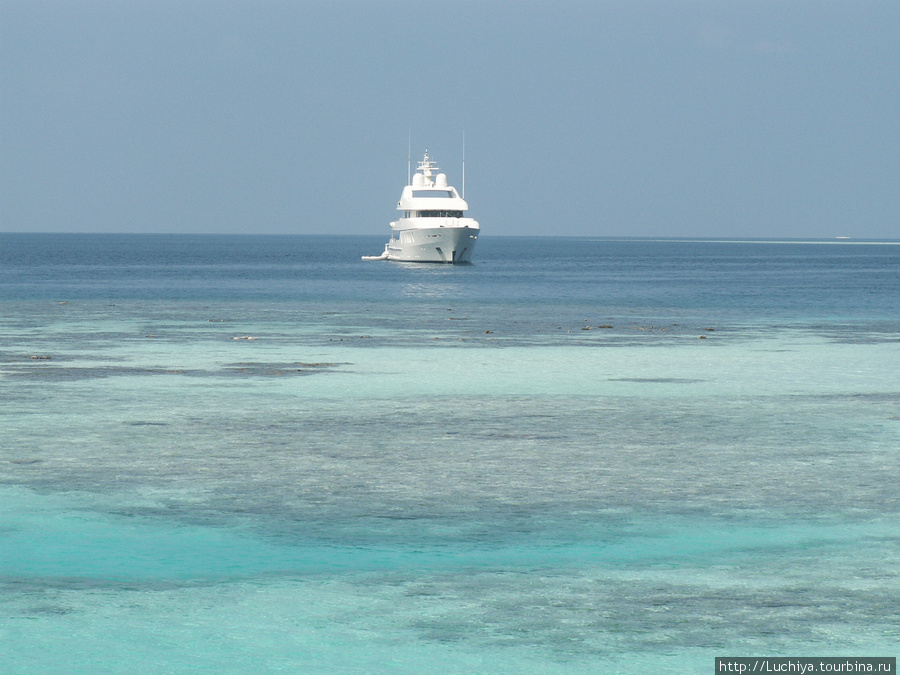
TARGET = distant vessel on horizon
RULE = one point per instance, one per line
(433, 227)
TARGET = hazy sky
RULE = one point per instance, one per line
(609, 117)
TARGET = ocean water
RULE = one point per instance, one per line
(262, 454)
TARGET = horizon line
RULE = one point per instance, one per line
(825, 239)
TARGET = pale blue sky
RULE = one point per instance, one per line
(610, 118)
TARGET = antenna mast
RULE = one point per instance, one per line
(464, 166)
(409, 159)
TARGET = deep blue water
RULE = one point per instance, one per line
(784, 278)
(262, 454)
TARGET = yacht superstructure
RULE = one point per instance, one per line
(433, 226)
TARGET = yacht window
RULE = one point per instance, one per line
(440, 214)
(432, 193)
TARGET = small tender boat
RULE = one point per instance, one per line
(433, 227)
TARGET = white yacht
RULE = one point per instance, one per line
(433, 226)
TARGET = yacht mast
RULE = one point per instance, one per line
(464, 167)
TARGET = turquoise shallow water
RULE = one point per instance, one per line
(263, 455)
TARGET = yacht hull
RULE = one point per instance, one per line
(450, 245)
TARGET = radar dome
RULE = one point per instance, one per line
(440, 180)
(418, 180)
